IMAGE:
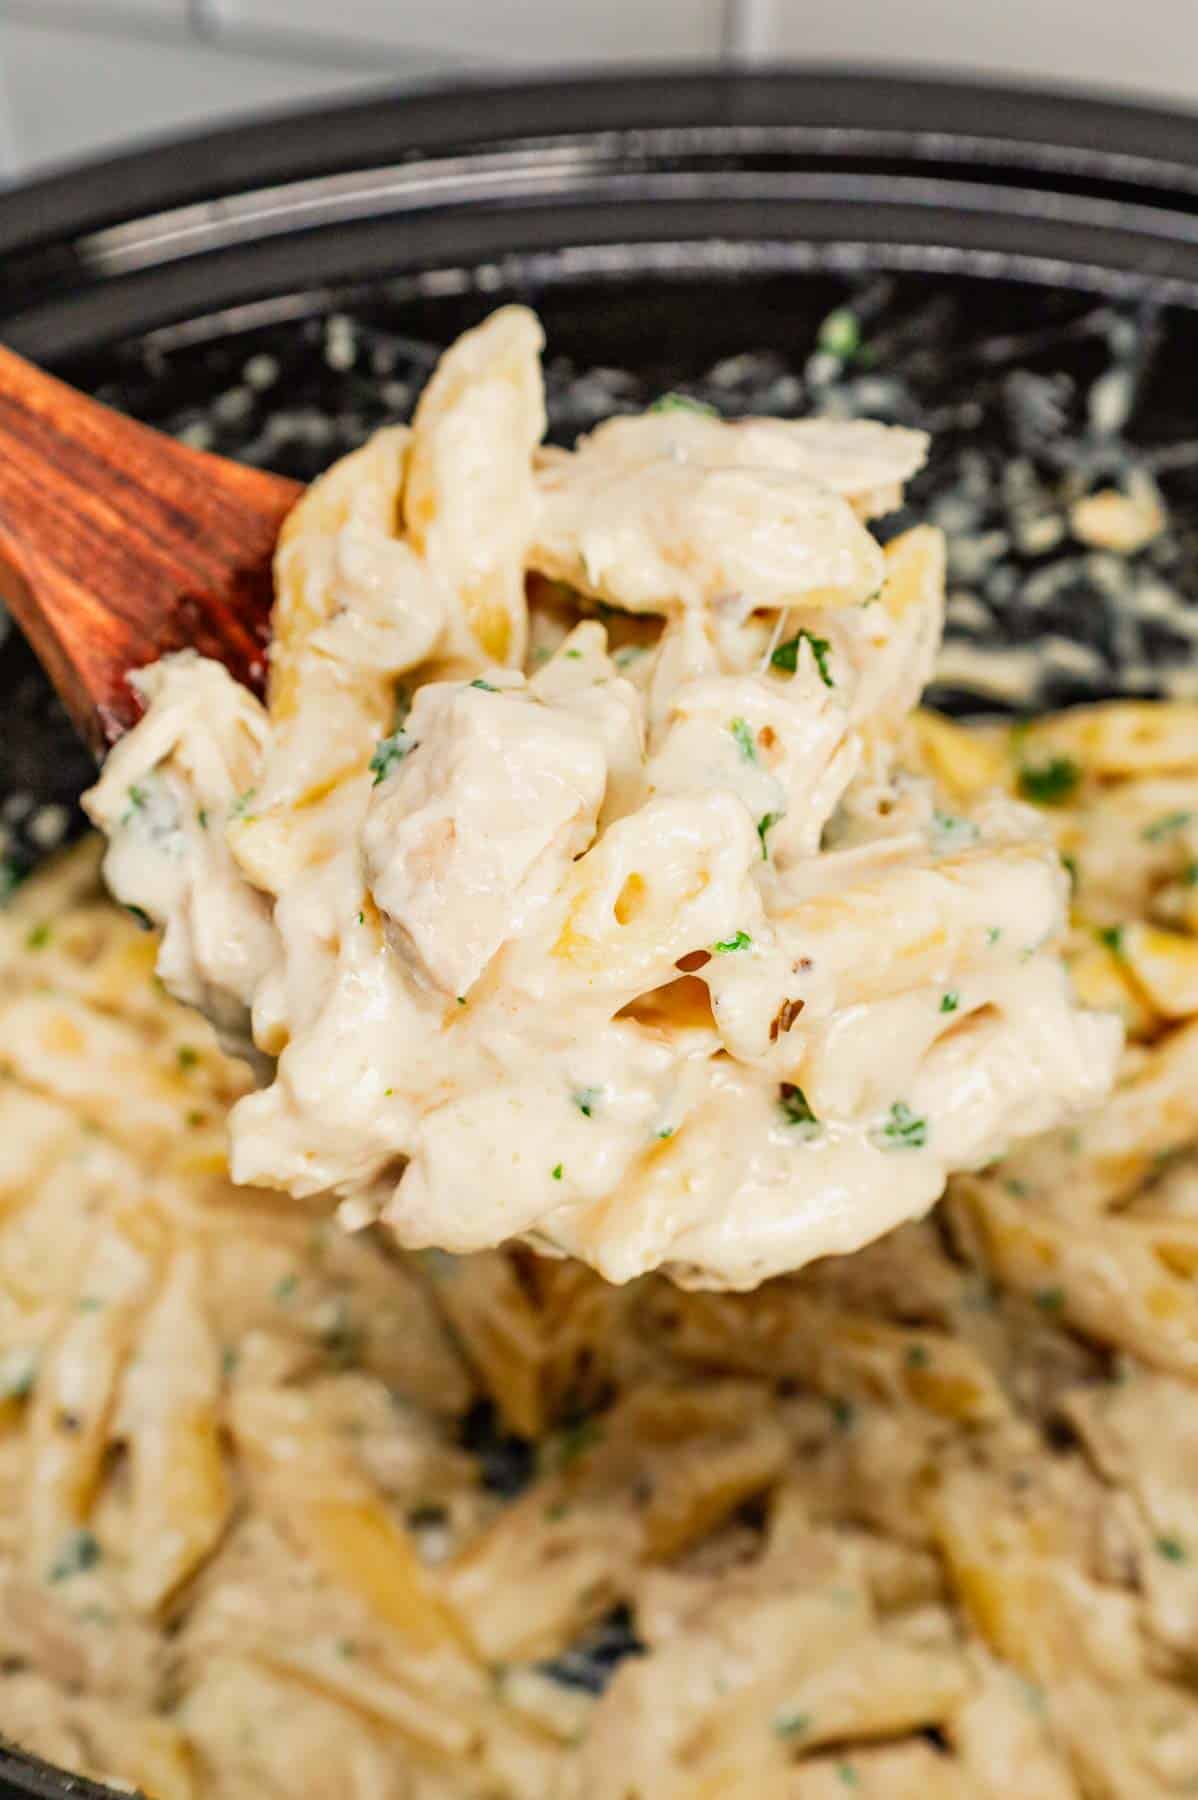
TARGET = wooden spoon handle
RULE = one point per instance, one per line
(118, 544)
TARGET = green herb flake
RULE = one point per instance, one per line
(789, 1725)
(794, 1105)
(557, 1171)
(765, 825)
(186, 1056)
(1172, 1549)
(786, 656)
(847, 1774)
(844, 1413)
(1112, 937)
(142, 916)
(949, 833)
(586, 1100)
(1017, 1188)
(993, 935)
(241, 806)
(361, 918)
(577, 1439)
(1166, 826)
(485, 686)
(1049, 783)
(195, 1118)
(77, 1553)
(745, 741)
(949, 1002)
(672, 402)
(556, 1511)
(138, 799)
(1050, 1299)
(903, 1129)
(38, 936)
(1071, 869)
(666, 1131)
(285, 1287)
(839, 334)
(202, 817)
(918, 1356)
(230, 1356)
(726, 946)
(461, 999)
(88, 1303)
(573, 655)
(1189, 875)
(389, 752)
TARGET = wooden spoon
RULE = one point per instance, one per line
(118, 544)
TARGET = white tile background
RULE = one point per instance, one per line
(80, 77)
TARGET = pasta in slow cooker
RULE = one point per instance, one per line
(288, 1512)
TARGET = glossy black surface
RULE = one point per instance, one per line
(277, 290)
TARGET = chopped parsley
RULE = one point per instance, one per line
(202, 816)
(666, 1131)
(848, 1775)
(840, 334)
(993, 934)
(186, 1056)
(1050, 1299)
(573, 655)
(1172, 1549)
(918, 1356)
(765, 825)
(1071, 869)
(744, 739)
(77, 1553)
(794, 1104)
(1112, 937)
(949, 1002)
(950, 833)
(843, 1412)
(557, 1171)
(789, 1725)
(1049, 783)
(142, 916)
(577, 1439)
(138, 800)
(786, 656)
(903, 1130)
(1165, 826)
(587, 1099)
(486, 686)
(285, 1287)
(461, 999)
(389, 752)
(38, 936)
(672, 402)
(726, 946)
(240, 808)
(88, 1303)
(1189, 875)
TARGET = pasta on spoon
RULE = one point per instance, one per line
(571, 887)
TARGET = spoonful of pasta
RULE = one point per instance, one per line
(582, 879)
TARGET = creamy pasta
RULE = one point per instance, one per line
(286, 1513)
(573, 887)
